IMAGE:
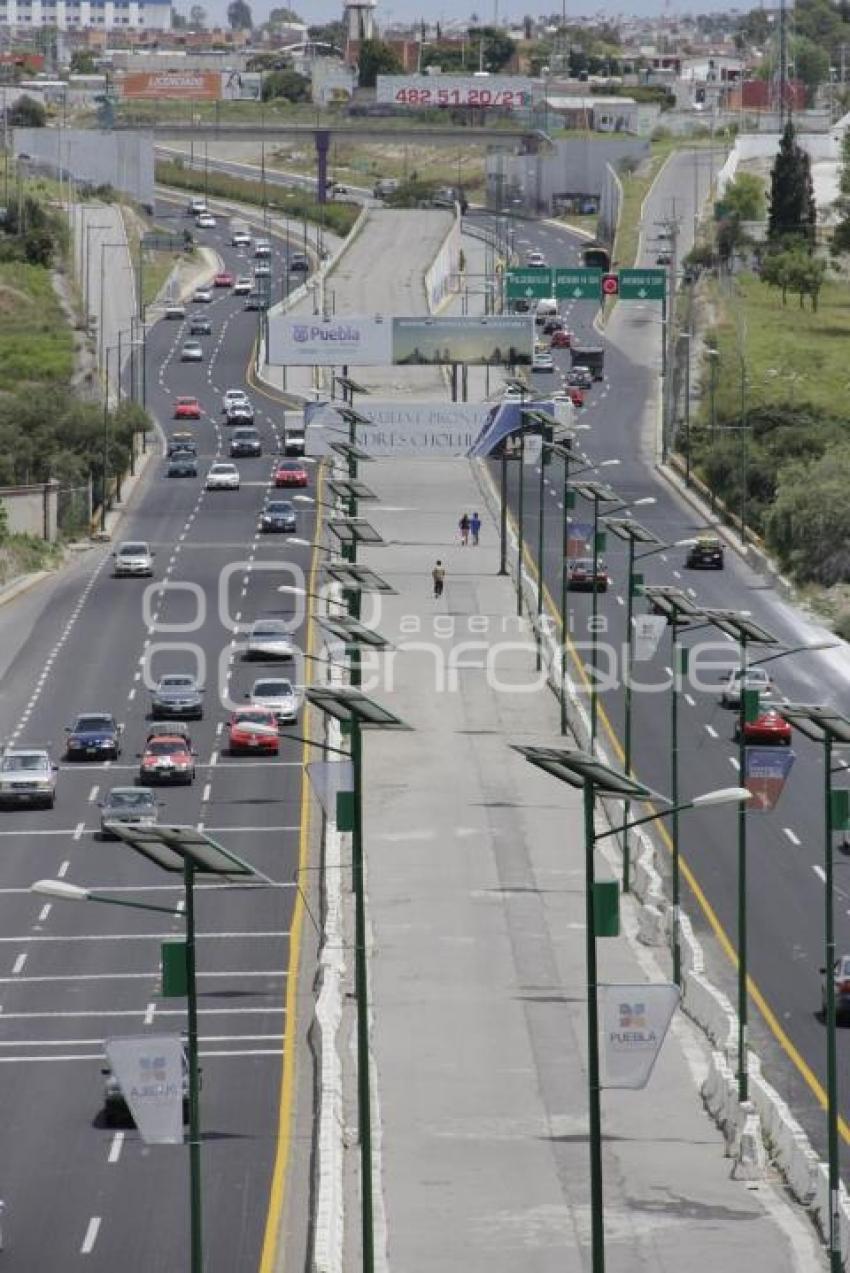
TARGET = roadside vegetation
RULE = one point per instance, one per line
(338, 217)
(359, 164)
(777, 443)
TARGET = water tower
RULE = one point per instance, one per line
(359, 20)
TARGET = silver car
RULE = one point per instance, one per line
(277, 695)
(223, 477)
(133, 557)
(177, 694)
(192, 351)
(755, 678)
(130, 806)
(27, 776)
(269, 639)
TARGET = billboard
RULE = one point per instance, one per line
(507, 92)
(373, 341)
(502, 421)
(428, 430)
(497, 341)
(319, 342)
(188, 86)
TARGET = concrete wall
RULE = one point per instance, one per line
(123, 160)
(31, 510)
(609, 208)
(575, 166)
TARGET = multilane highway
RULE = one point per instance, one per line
(77, 1192)
(785, 846)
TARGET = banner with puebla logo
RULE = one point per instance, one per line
(330, 342)
(635, 1019)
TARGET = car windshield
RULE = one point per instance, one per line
(165, 746)
(186, 402)
(254, 718)
(279, 506)
(222, 468)
(291, 466)
(128, 798)
(28, 762)
(133, 550)
(87, 723)
(177, 681)
(272, 689)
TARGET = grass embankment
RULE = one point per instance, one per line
(23, 555)
(363, 164)
(36, 344)
(156, 265)
(338, 217)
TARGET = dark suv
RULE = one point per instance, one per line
(705, 554)
(245, 442)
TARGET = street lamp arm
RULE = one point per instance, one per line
(68, 892)
(139, 906)
(796, 649)
(728, 795)
(312, 742)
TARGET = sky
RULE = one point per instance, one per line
(316, 11)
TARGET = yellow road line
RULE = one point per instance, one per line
(277, 1191)
(771, 1020)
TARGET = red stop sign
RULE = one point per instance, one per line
(610, 284)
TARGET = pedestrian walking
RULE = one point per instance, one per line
(463, 525)
(475, 527)
(438, 574)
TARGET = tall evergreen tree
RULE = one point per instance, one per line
(793, 213)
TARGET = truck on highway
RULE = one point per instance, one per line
(591, 357)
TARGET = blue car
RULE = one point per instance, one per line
(94, 736)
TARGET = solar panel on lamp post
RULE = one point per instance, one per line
(582, 770)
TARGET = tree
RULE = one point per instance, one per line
(744, 198)
(808, 526)
(82, 62)
(793, 213)
(239, 15)
(289, 85)
(280, 17)
(776, 272)
(26, 113)
(376, 58)
(497, 48)
(178, 21)
(197, 17)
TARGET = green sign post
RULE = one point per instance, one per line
(578, 285)
(643, 285)
(528, 284)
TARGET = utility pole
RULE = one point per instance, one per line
(783, 54)
(670, 229)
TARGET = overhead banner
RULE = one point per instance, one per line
(635, 1019)
(649, 628)
(508, 92)
(503, 422)
(500, 340)
(188, 86)
(149, 1068)
(765, 772)
(579, 539)
(330, 342)
(429, 430)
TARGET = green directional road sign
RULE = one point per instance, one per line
(528, 284)
(642, 285)
(578, 285)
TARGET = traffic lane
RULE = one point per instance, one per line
(679, 192)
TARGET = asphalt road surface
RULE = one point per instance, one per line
(785, 846)
(79, 1193)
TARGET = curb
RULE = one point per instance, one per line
(24, 583)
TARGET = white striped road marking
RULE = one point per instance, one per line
(711, 731)
(116, 1147)
(63, 869)
(78, 830)
(795, 840)
(691, 702)
(93, 793)
(44, 912)
(91, 1236)
(19, 963)
(206, 793)
(733, 761)
(820, 873)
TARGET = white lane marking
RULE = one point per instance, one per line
(149, 1014)
(691, 702)
(79, 829)
(93, 793)
(795, 839)
(19, 963)
(733, 761)
(116, 1147)
(206, 793)
(63, 869)
(131, 695)
(91, 1236)
(820, 873)
(711, 731)
(44, 912)
(132, 976)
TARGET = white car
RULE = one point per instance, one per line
(535, 259)
(198, 206)
(542, 361)
(262, 271)
(277, 695)
(202, 296)
(242, 286)
(205, 221)
(269, 639)
(232, 397)
(240, 239)
(175, 312)
(133, 557)
(223, 477)
(192, 351)
(754, 678)
(27, 776)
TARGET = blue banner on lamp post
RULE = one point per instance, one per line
(765, 772)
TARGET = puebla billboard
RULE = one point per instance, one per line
(364, 341)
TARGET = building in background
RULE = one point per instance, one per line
(79, 15)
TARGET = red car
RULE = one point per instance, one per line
(580, 575)
(187, 409)
(167, 758)
(253, 729)
(768, 727)
(290, 473)
(224, 279)
(576, 396)
(561, 339)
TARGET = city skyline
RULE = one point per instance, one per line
(513, 11)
